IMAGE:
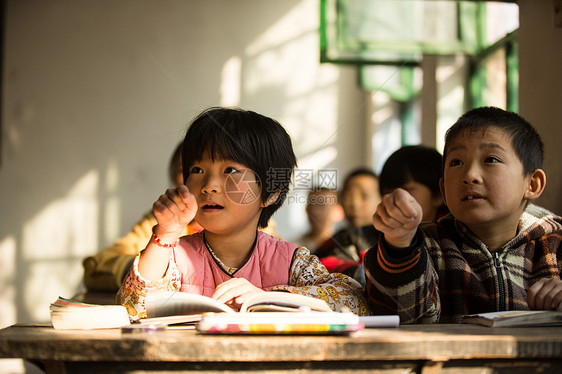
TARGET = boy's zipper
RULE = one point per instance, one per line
(497, 265)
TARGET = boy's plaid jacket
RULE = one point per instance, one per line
(448, 272)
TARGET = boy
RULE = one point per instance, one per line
(324, 213)
(344, 252)
(416, 169)
(494, 252)
(106, 270)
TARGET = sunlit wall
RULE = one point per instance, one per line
(96, 96)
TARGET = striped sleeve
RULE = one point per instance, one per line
(402, 281)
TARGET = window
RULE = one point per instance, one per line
(475, 43)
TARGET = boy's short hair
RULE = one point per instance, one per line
(525, 140)
(361, 171)
(322, 195)
(416, 163)
(249, 138)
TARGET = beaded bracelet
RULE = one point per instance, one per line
(165, 245)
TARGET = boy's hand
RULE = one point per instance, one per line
(234, 292)
(174, 210)
(398, 216)
(546, 293)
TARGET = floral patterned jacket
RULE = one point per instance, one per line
(305, 275)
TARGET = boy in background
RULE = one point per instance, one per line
(324, 213)
(416, 169)
(105, 271)
(496, 251)
(343, 252)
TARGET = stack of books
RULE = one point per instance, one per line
(67, 314)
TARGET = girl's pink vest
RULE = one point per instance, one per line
(268, 265)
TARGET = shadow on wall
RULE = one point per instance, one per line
(96, 100)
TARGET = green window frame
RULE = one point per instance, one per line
(344, 39)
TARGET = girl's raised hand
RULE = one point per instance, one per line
(174, 210)
(398, 216)
(234, 292)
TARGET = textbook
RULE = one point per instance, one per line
(515, 318)
(75, 315)
(280, 323)
(169, 307)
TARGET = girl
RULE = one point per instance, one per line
(237, 168)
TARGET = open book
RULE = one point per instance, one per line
(169, 307)
(71, 314)
(515, 318)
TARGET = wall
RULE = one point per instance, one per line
(97, 94)
(540, 82)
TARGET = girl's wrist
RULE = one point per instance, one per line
(166, 240)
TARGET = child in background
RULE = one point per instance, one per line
(324, 213)
(496, 251)
(106, 270)
(416, 169)
(343, 252)
(237, 169)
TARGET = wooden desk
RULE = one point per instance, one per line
(407, 349)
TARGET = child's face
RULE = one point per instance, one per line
(320, 209)
(360, 200)
(483, 185)
(227, 193)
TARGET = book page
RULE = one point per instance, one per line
(171, 303)
(283, 301)
(513, 318)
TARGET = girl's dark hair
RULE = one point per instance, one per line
(175, 163)
(248, 138)
(416, 163)
(525, 139)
